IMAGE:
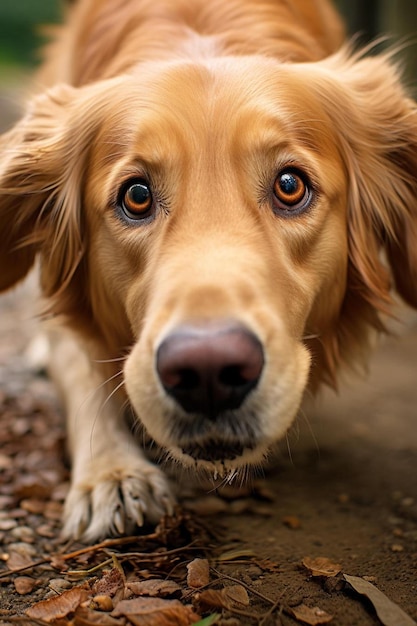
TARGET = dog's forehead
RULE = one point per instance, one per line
(222, 100)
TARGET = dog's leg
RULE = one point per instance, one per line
(113, 487)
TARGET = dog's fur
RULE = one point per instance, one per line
(207, 102)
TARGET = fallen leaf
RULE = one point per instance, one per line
(321, 566)
(226, 598)
(18, 559)
(109, 584)
(198, 573)
(87, 617)
(267, 565)
(388, 612)
(237, 553)
(58, 606)
(312, 616)
(237, 594)
(156, 612)
(154, 587)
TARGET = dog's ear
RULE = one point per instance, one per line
(375, 122)
(381, 158)
(35, 168)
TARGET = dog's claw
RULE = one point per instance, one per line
(117, 501)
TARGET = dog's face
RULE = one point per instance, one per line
(223, 230)
(224, 221)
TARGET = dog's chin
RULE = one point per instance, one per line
(219, 458)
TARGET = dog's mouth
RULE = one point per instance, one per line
(215, 450)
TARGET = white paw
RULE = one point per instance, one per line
(116, 500)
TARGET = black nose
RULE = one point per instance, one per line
(210, 369)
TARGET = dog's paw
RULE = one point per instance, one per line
(116, 500)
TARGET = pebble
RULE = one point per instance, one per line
(24, 584)
(102, 603)
(23, 533)
(23, 548)
(397, 547)
(254, 572)
(45, 530)
(7, 524)
(59, 584)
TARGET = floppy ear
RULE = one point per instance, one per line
(381, 138)
(376, 133)
(35, 170)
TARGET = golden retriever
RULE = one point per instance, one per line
(222, 197)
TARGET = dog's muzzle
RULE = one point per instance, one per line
(210, 370)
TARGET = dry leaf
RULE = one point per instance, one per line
(154, 587)
(58, 606)
(312, 616)
(156, 612)
(19, 559)
(237, 553)
(109, 584)
(87, 617)
(226, 598)
(198, 573)
(388, 612)
(267, 565)
(321, 566)
(236, 594)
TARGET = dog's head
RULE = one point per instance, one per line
(239, 223)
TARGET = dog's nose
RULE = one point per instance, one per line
(210, 369)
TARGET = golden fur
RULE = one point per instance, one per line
(207, 101)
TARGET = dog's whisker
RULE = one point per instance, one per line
(307, 422)
(100, 409)
(95, 391)
(115, 360)
(289, 449)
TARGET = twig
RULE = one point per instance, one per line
(247, 587)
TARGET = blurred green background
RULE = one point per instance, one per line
(20, 19)
(19, 30)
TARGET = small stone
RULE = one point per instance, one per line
(343, 498)
(291, 521)
(23, 533)
(7, 524)
(45, 530)
(370, 579)
(24, 584)
(397, 547)
(59, 584)
(333, 584)
(102, 603)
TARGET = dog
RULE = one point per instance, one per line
(223, 200)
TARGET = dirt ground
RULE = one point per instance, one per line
(344, 487)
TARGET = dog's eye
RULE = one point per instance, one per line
(292, 193)
(136, 199)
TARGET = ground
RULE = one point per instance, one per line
(344, 487)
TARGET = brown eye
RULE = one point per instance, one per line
(292, 193)
(136, 200)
